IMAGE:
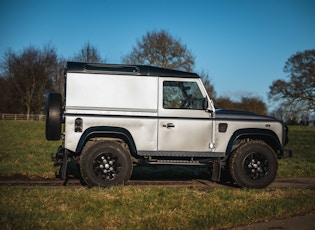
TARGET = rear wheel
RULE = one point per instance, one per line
(254, 165)
(53, 116)
(105, 164)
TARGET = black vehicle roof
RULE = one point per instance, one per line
(141, 70)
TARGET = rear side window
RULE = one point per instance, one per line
(182, 95)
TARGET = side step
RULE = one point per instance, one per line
(216, 165)
(177, 162)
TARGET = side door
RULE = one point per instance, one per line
(184, 125)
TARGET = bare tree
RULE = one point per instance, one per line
(251, 104)
(30, 75)
(4, 99)
(58, 77)
(208, 84)
(224, 103)
(297, 94)
(160, 49)
(88, 54)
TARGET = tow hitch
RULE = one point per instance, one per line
(61, 160)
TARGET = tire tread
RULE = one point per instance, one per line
(235, 174)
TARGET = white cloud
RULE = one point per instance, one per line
(236, 95)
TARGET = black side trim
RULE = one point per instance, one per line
(180, 154)
(107, 131)
(253, 119)
(255, 133)
(135, 116)
(161, 117)
(107, 115)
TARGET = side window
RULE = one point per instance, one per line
(182, 95)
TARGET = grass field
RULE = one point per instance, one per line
(25, 152)
(146, 208)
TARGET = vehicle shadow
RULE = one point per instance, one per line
(165, 173)
(178, 173)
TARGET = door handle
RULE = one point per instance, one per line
(169, 125)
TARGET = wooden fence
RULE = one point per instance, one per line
(20, 117)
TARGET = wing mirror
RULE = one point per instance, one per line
(206, 105)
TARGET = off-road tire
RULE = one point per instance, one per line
(253, 165)
(105, 163)
(53, 116)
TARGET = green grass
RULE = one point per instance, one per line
(24, 149)
(302, 143)
(25, 152)
(146, 208)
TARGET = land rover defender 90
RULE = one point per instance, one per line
(111, 118)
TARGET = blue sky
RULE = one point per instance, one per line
(243, 45)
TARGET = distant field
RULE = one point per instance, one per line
(25, 151)
(302, 143)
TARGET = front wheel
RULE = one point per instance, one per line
(254, 165)
(105, 164)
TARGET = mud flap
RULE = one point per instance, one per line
(216, 171)
(63, 169)
(61, 159)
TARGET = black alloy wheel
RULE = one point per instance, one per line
(105, 163)
(253, 165)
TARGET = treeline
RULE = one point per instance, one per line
(26, 77)
(29, 75)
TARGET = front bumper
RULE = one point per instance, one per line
(285, 153)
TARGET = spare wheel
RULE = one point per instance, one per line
(53, 116)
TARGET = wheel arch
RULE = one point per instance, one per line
(107, 132)
(265, 135)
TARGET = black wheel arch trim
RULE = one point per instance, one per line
(107, 131)
(258, 134)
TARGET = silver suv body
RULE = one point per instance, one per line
(118, 116)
